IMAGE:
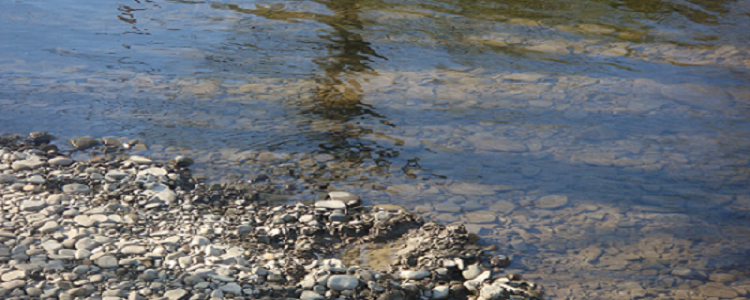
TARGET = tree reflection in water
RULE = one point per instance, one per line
(337, 104)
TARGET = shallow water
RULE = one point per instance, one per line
(603, 144)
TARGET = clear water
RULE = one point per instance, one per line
(634, 110)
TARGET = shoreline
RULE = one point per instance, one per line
(123, 226)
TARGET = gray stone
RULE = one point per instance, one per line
(49, 227)
(232, 288)
(244, 229)
(52, 246)
(86, 243)
(331, 204)
(471, 272)
(140, 160)
(7, 178)
(133, 249)
(200, 241)
(489, 142)
(27, 164)
(107, 262)
(14, 275)
(492, 292)
(552, 201)
(722, 277)
(115, 175)
(33, 205)
(714, 289)
(12, 285)
(76, 188)
(338, 217)
(416, 275)
(310, 295)
(476, 189)
(481, 217)
(149, 275)
(343, 282)
(60, 161)
(83, 143)
(82, 254)
(440, 292)
(36, 179)
(84, 220)
(33, 291)
(183, 161)
(447, 207)
(175, 294)
(683, 272)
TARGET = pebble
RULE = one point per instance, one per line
(416, 275)
(471, 272)
(133, 250)
(722, 277)
(342, 282)
(83, 143)
(133, 239)
(14, 284)
(310, 295)
(107, 262)
(140, 160)
(481, 217)
(115, 175)
(33, 205)
(7, 178)
(552, 201)
(60, 161)
(49, 227)
(331, 204)
(83, 220)
(76, 188)
(232, 288)
(14, 275)
(175, 294)
(440, 292)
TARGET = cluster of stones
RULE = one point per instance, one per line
(128, 227)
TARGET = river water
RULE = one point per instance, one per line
(604, 145)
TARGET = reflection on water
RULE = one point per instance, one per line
(603, 144)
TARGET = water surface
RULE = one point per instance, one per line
(603, 144)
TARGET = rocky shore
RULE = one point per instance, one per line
(121, 226)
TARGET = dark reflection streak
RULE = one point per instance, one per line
(337, 100)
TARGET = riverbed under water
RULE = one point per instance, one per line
(604, 145)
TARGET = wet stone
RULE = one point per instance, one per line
(447, 207)
(471, 272)
(481, 217)
(722, 277)
(83, 143)
(718, 290)
(552, 201)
